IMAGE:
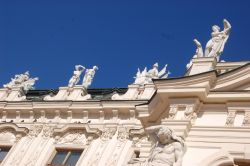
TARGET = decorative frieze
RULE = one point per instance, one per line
(230, 118)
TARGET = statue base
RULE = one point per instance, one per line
(13, 94)
(201, 65)
(77, 93)
(136, 91)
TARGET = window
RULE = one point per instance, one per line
(65, 157)
(3, 152)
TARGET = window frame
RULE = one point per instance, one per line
(68, 149)
(5, 147)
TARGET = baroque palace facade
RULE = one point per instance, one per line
(199, 119)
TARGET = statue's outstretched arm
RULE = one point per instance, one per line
(227, 26)
(198, 44)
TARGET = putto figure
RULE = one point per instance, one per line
(22, 80)
(216, 44)
(168, 149)
(146, 77)
(76, 76)
(88, 77)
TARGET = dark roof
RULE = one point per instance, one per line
(96, 94)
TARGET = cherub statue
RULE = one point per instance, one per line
(76, 76)
(168, 149)
(215, 45)
(88, 77)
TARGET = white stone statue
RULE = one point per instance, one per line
(76, 76)
(198, 52)
(146, 77)
(168, 149)
(88, 77)
(22, 80)
(215, 45)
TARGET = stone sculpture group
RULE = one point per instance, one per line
(87, 79)
(137, 90)
(215, 45)
(22, 80)
(145, 77)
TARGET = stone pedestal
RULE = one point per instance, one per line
(76, 93)
(202, 64)
(14, 94)
(131, 94)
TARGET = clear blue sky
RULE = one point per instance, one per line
(49, 37)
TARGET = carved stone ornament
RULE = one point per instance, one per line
(22, 80)
(190, 113)
(246, 120)
(230, 118)
(122, 134)
(145, 77)
(173, 111)
(35, 130)
(46, 131)
(168, 149)
(72, 137)
(108, 133)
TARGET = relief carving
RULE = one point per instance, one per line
(35, 130)
(72, 137)
(230, 118)
(246, 120)
(108, 133)
(190, 113)
(172, 112)
(168, 149)
(122, 134)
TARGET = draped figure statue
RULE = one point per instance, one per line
(216, 44)
(76, 76)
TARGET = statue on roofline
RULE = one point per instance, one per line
(146, 77)
(22, 80)
(198, 52)
(76, 75)
(89, 76)
(216, 44)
